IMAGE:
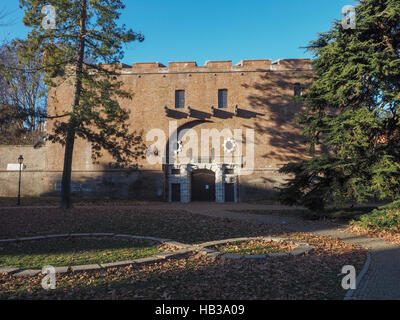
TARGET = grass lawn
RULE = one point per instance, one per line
(73, 251)
(255, 247)
(195, 276)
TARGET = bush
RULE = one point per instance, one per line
(385, 218)
(15, 136)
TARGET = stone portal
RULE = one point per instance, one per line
(213, 182)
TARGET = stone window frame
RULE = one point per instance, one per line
(222, 100)
(179, 99)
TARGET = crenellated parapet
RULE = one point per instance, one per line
(217, 66)
(291, 64)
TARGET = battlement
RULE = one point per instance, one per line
(147, 66)
(217, 66)
(254, 64)
(283, 64)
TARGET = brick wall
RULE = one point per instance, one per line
(261, 90)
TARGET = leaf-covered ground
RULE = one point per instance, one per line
(173, 224)
(393, 237)
(312, 276)
(55, 201)
(333, 214)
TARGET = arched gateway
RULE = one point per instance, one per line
(200, 179)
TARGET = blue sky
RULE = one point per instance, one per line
(189, 30)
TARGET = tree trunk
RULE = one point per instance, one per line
(66, 202)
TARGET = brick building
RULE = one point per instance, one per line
(248, 108)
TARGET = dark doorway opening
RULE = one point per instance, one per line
(229, 192)
(203, 185)
(176, 192)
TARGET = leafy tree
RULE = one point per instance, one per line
(23, 96)
(84, 49)
(352, 108)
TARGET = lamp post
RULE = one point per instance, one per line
(20, 161)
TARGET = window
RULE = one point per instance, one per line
(297, 90)
(179, 99)
(222, 98)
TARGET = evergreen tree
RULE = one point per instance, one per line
(352, 109)
(84, 48)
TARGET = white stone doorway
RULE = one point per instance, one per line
(180, 181)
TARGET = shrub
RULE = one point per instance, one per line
(385, 218)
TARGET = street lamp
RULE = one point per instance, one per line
(20, 161)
